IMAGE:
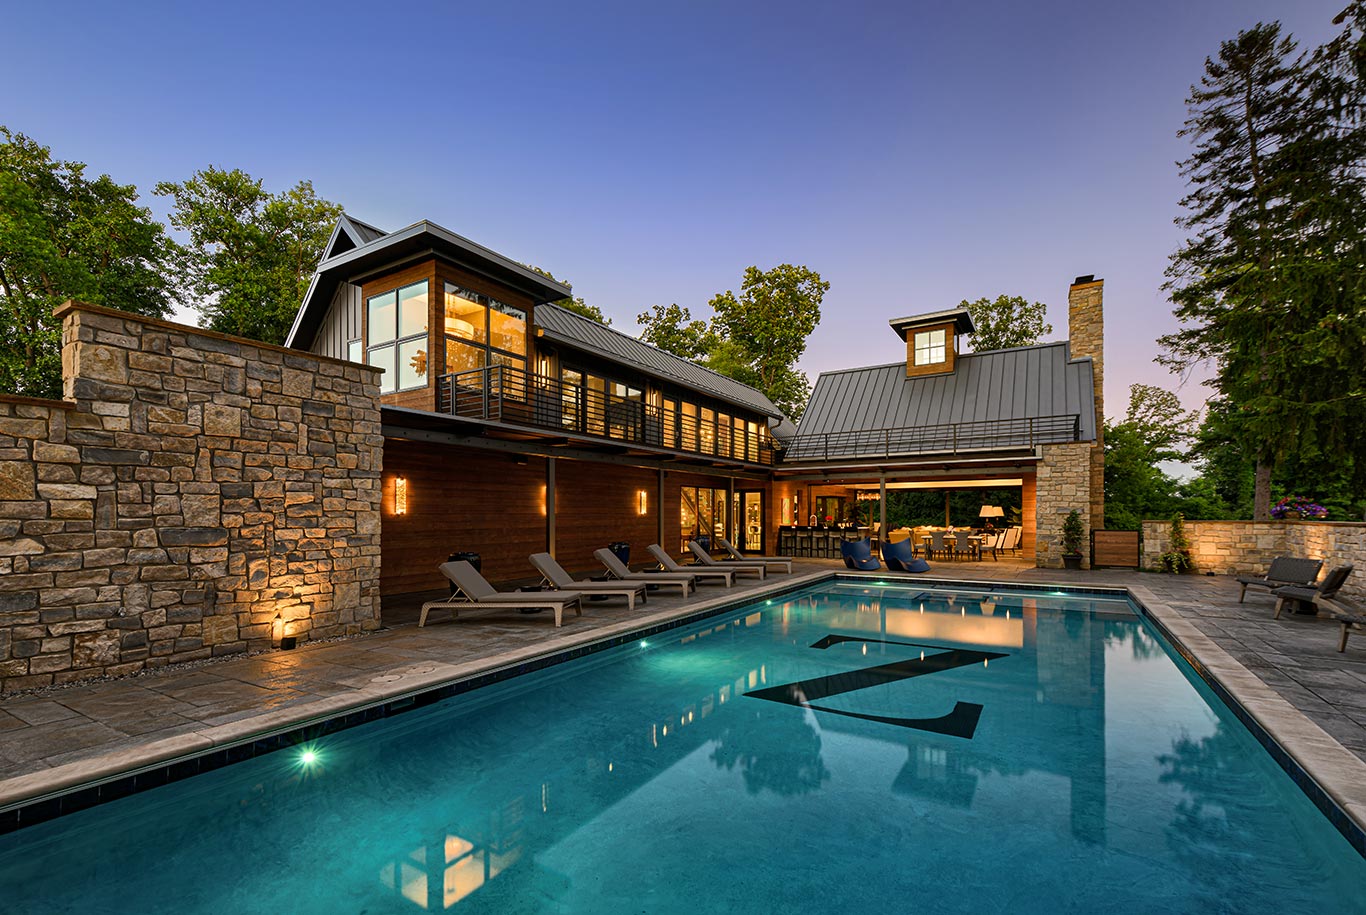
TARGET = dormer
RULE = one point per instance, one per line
(932, 340)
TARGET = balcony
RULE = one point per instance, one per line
(945, 439)
(515, 397)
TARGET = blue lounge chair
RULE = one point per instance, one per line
(898, 555)
(858, 554)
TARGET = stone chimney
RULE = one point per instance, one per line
(1086, 337)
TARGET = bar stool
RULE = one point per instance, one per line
(803, 545)
(786, 545)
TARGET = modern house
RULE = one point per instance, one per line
(513, 425)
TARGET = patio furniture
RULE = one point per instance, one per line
(1285, 570)
(991, 542)
(1349, 614)
(667, 561)
(741, 557)
(480, 595)
(555, 575)
(937, 546)
(1300, 595)
(1011, 539)
(619, 570)
(898, 556)
(858, 555)
(803, 542)
(706, 559)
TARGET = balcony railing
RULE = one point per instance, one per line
(949, 438)
(510, 395)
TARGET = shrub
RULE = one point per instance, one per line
(1177, 558)
(1072, 534)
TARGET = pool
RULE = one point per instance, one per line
(848, 747)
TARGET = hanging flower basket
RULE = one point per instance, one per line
(1294, 507)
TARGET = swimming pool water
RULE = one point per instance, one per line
(974, 752)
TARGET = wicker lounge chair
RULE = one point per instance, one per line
(1285, 570)
(556, 576)
(1349, 614)
(738, 556)
(483, 596)
(1305, 594)
(667, 561)
(619, 570)
(704, 558)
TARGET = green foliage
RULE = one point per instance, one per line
(917, 507)
(1177, 557)
(755, 337)
(575, 303)
(1006, 321)
(251, 254)
(1155, 429)
(1072, 534)
(65, 236)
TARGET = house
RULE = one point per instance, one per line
(513, 425)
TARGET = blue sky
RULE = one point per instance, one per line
(914, 153)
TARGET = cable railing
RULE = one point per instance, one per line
(505, 394)
(947, 438)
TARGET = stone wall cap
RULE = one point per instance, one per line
(37, 402)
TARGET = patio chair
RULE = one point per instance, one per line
(1285, 570)
(992, 543)
(1349, 614)
(741, 557)
(726, 575)
(706, 559)
(1304, 594)
(555, 575)
(619, 570)
(937, 545)
(480, 595)
(898, 555)
(858, 555)
(1011, 539)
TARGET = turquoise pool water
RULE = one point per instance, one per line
(1019, 753)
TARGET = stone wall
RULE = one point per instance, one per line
(1062, 483)
(193, 495)
(1247, 547)
(1086, 337)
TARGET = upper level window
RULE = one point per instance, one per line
(931, 347)
(397, 336)
(482, 331)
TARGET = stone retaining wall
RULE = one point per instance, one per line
(1247, 547)
(193, 495)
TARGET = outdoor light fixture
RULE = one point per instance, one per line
(992, 511)
(400, 495)
(642, 503)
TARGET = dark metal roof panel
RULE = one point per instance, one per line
(1019, 383)
(567, 327)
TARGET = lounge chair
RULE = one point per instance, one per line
(1349, 614)
(1305, 594)
(706, 559)
(618, 569)
(483, 596)
(898, 555)
(738, 556)
(667, 561)
(1285, 570)
(556, 576)
(858, 555)
(1010, 539)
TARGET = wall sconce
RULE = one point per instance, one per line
(642, 502)
(400, 495)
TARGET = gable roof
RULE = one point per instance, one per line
(356, 248)
(1000, 385)
(564, 326)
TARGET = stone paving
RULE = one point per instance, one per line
(66, 735)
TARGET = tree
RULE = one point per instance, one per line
(251, 253)
(1154, 430)
(66, 236)
(1006, 321)
(575, 303)
(674, 330)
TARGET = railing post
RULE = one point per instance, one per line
(484, 388)
(954, 427)
(1031, 432)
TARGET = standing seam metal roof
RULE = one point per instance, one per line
(1020, 383)
(564, 326)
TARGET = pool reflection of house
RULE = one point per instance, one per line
(513, 425)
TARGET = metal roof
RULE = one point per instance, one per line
(564, 326)
(1009, 384)
(960, 318)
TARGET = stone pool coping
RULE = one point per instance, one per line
(1323, 768)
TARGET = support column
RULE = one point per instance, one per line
(659, 510)
(550, 506)
(882, 509)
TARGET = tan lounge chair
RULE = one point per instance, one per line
(667, 561)
(741, 557)
(556, 576)
(685, 580)
(705, 559)
(484, 596)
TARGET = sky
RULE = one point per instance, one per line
(915, 154)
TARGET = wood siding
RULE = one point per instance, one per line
(1115, 549)
(1029, 492)
(936, 368)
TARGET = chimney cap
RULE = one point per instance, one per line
(960, 318)
(1088, 278)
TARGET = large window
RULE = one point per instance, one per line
(702, 513)
(397, 331)
(482, 331)
(931, 347)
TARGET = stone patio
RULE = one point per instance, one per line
(65, 736)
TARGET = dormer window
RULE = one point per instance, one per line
(931, 347)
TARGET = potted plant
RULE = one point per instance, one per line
(1177, 558)
(1072, 534)
(1295, 507)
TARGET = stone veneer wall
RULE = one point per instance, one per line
(190, 488)
(1086, 337)
(1062, 483)
(1247, 547)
